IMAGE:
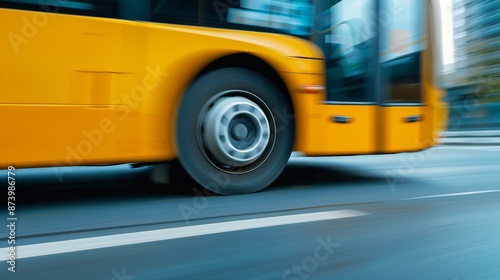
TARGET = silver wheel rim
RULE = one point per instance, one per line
(213, 154)
(236, 131)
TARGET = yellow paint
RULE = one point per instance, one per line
(85, 90)
(399, 135)
(327, 137)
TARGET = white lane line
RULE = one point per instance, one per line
(75, 245)
(451, 194)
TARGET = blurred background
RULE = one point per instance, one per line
(471, 72)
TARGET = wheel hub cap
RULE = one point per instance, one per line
(239, 131)
(235, 131)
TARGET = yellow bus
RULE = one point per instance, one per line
(229, 88)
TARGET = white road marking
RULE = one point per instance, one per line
(75, 245)
(450, 194)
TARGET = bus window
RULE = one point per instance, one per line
(346, 34)
(402, 41)
(175, 11)
(98, 8)
(289, 17)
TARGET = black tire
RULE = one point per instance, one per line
(223, 142)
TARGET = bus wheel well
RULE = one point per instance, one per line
(252, 63)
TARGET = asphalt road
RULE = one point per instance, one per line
(429, 215)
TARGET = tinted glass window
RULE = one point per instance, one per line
(402, 40)
(99, 8)
(346, 32)
(283, 16)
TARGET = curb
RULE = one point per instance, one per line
(471, 137)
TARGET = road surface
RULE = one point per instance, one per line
(428, 215)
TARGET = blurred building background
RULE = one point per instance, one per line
(472, 70)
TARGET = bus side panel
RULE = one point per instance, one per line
(402, 128)
(70, 92)
(64, 135)
(304, 105)
(341, 130)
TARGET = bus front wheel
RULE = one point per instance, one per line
(234, 131)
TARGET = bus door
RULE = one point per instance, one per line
(407, 91)
(344, 30)
(377, 99)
